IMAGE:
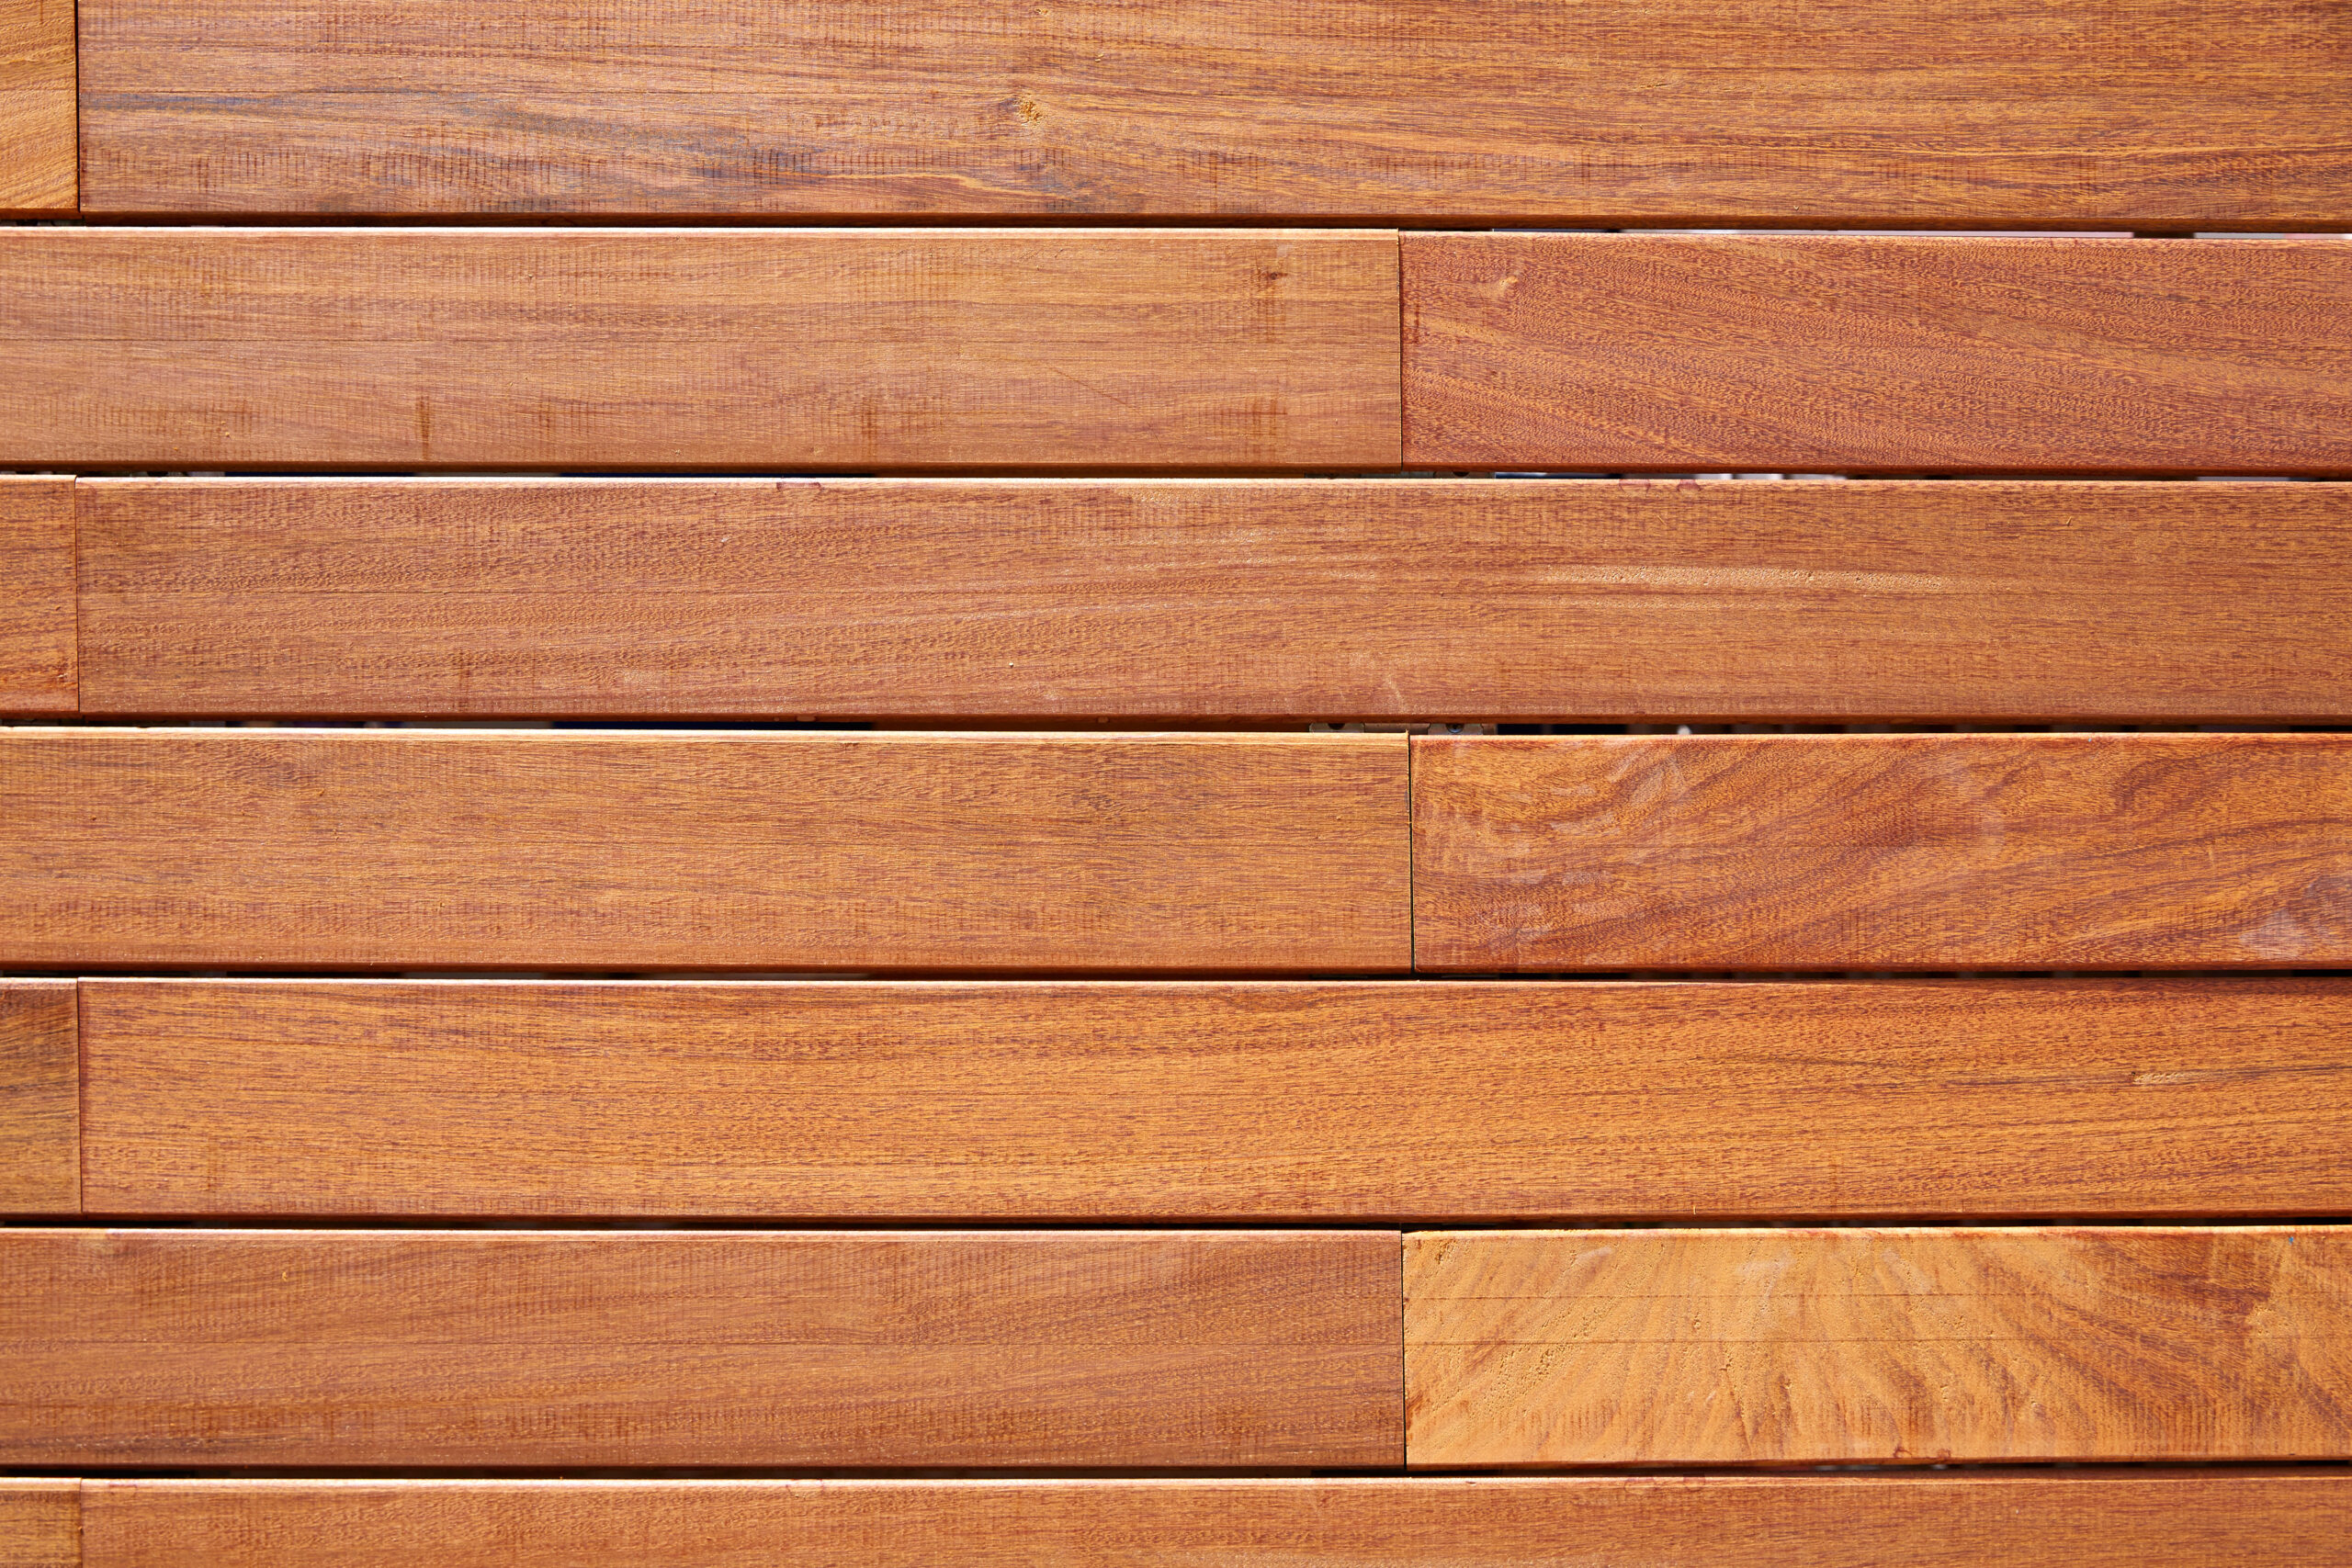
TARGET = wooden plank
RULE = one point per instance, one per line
(2161, 113)
(39, 158)
(1890, 1346)
(1844, 354)
(592, 349)
(39, 1524)
(1266, 599)
(2189, 1519)
(38, 629)
(1108, 1100)
(41, 1100)
(413, 849)
(1883, 852)
(459, 1349)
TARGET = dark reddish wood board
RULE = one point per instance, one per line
(1058, 600)
(762, 1348)
(533, 849)
(1850, 354)
(40, 1099)
(2132, 1520)
(656, 351)
(1904, 113)
(1883, 852)
(39, 630)
(862, 1101)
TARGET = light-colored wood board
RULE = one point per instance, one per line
(666, 350)
(2151, 113)
(38, 626)
(713, 850)
(873, 1102)
(767, 1349)
(2189, 1520)
(1822, 1346)
(1883, 852)
(40, 1099)
(1052, 599)
(39, 169)
(40, 1523)
(1846, 353)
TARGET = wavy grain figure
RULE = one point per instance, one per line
(1899, 852)
(1885, 1345)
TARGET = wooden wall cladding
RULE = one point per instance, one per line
(754, 1349)
(39, 1524)
(38, 631)
(41, 1100)
(1201, 599)
(38, 154)
(1846, 353)
(584, 348)
(1894, 852)
(413, 849)
(2191, 1519)
(1215, 1100)
(1860, 1345)
(2162, 113)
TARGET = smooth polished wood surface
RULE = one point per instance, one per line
(1217, 1100)
(668, 350)
(41, 1100)
(1883, 852)
(2159, 113)
(38, 629)
(2192, 1520)
(457, 1348)
(1844, 354)
(40, 1523)
(719, 850)
(1202, 599)
(1877, 1345)
(38, 158)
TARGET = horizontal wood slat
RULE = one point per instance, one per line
(1823, 1347)
(1848, 353)
(41, 1100)
(40, 1523)
(2186, 1520)
(1396, 599)
(582, 348)
(1102, 1100)
(537, 848)
(1893, 852)
(761, 1348)
(39, 169)
(2157, 112)
(36, 595)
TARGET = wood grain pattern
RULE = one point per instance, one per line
(592, 349)
(1883, 852)
(41, 1100)
(1890, 1346)
(38, 631)
(1273, 1101)
(2152, 112)
(412, 848)
(39, 1524)
(763, 1348)
(1845, 354)
(2181, 1520)
(1266, 599)
(39, 158)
